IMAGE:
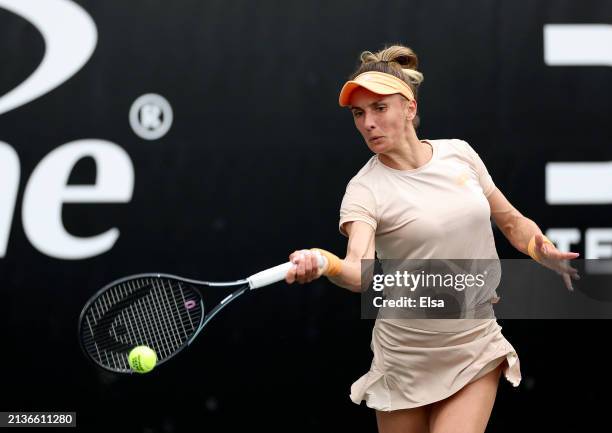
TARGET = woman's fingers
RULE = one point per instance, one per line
(293, 255)
(558, 255)
(564, 269)
(290, 276)
(558, 261)
(563, 266)
(301, 268)
(306, 267)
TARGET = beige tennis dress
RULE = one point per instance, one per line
(437, 211)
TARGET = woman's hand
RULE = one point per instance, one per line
(548, 255)
(306, 267)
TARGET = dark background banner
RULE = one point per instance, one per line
(253, 167)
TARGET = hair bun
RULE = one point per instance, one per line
(368, 57)
(401, 55)
(414, 76)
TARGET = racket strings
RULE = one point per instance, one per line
(153, 321)
(158, 312)
(145, 322)
(150, 319)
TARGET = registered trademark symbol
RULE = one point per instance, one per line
(151, 116)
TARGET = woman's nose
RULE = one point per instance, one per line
(368, 122)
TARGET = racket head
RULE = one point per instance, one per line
(162, 311)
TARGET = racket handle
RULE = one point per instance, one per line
(276, 274)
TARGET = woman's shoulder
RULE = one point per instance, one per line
(451, 144)
(367, 172)
(454, 147)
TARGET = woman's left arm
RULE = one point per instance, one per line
(527, 237)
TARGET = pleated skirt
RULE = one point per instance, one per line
(420, 361)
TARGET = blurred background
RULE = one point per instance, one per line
(204, 139)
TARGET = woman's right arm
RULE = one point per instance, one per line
(360, 246)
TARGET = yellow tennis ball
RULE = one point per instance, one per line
(142, 359)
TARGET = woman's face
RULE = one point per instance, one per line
(384, 121)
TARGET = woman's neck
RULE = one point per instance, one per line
(410, 155)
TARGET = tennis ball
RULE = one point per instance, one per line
(142, 359)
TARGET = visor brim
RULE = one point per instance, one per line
(374, 87)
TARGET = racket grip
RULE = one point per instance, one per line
(276, 274)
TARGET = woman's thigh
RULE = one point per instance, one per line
(415, 420)
(469, 409)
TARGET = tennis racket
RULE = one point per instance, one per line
(164, 312)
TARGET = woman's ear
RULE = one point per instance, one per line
(413, 108)
(410, 109)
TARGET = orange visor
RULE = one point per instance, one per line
(377, 82)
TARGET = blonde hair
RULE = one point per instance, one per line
(396, 60)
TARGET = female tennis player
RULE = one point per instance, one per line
(423, 199)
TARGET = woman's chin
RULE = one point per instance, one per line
(378, 147)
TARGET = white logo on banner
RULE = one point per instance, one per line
(70, 37)
(151, 116)
(579, 183)
(48, 189)
(9, 175)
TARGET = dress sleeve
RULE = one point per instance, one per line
(358, 204)
(486, 181)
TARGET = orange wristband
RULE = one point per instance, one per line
(531, 247)
(334, 264)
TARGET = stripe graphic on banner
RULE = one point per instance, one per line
(579, 183)
(578, 44)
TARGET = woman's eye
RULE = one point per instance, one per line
(356, 113)
(381, 108)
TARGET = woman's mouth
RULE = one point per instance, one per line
(376, 139)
